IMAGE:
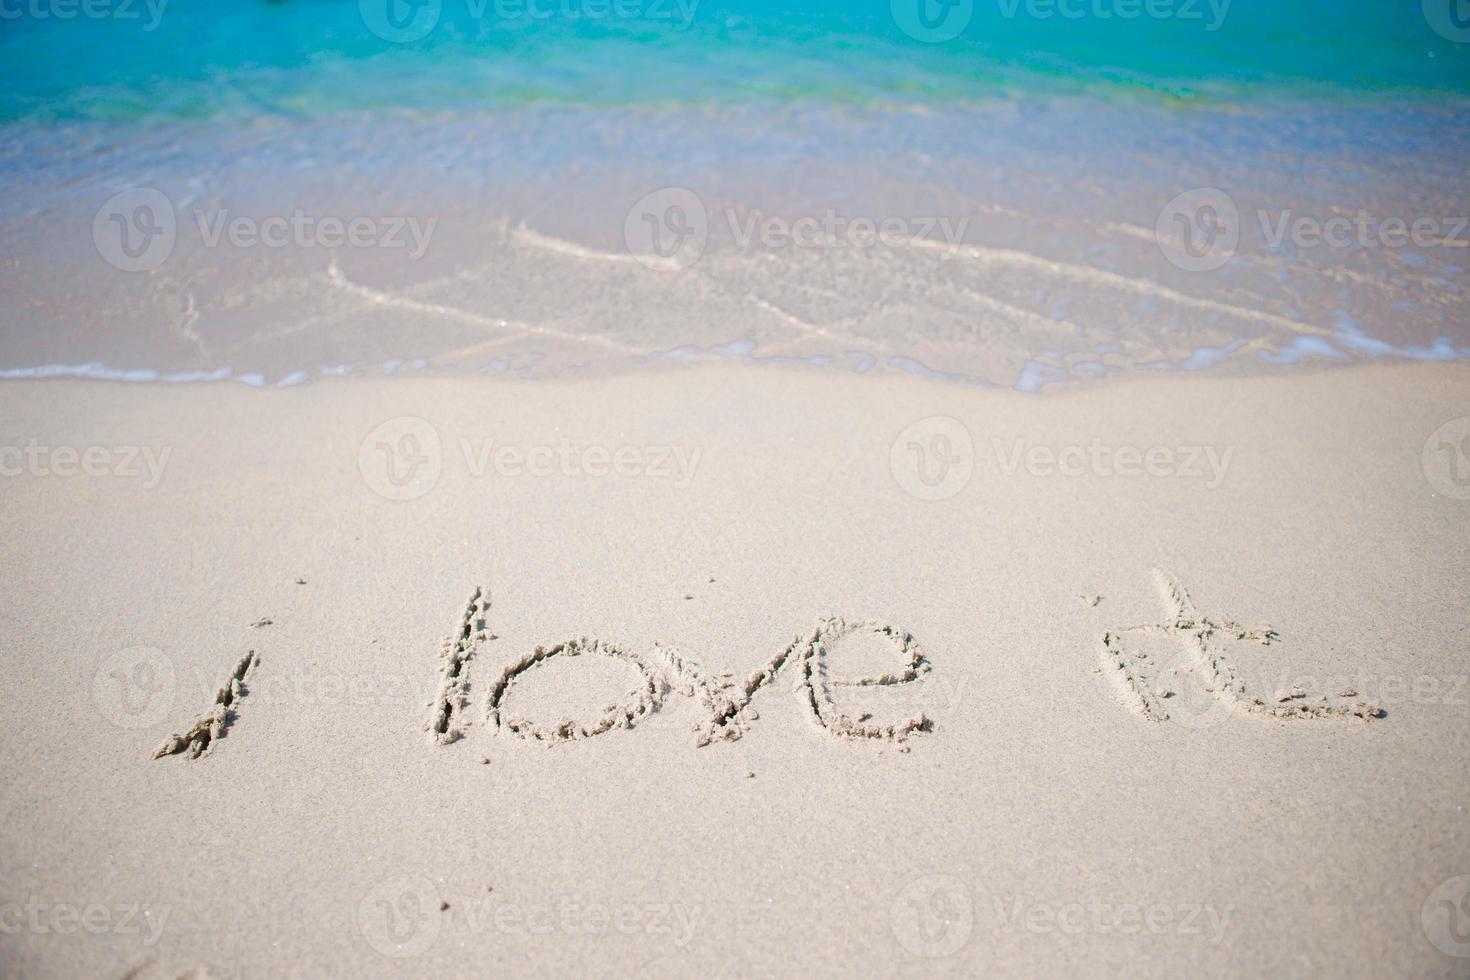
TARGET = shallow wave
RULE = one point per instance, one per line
(1034, 259)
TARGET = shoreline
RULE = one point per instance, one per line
(857, 364)
(533, 243)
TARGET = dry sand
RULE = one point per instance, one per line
(1054, 813)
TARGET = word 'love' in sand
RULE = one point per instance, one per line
(726, 703)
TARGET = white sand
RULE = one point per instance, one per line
(1070, 832)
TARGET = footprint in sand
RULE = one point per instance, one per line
(1179, 670)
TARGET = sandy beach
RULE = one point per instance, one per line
(734, 488)
(840, 674)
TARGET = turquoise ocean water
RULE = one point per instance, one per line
(118, 59)
(1058, 131)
